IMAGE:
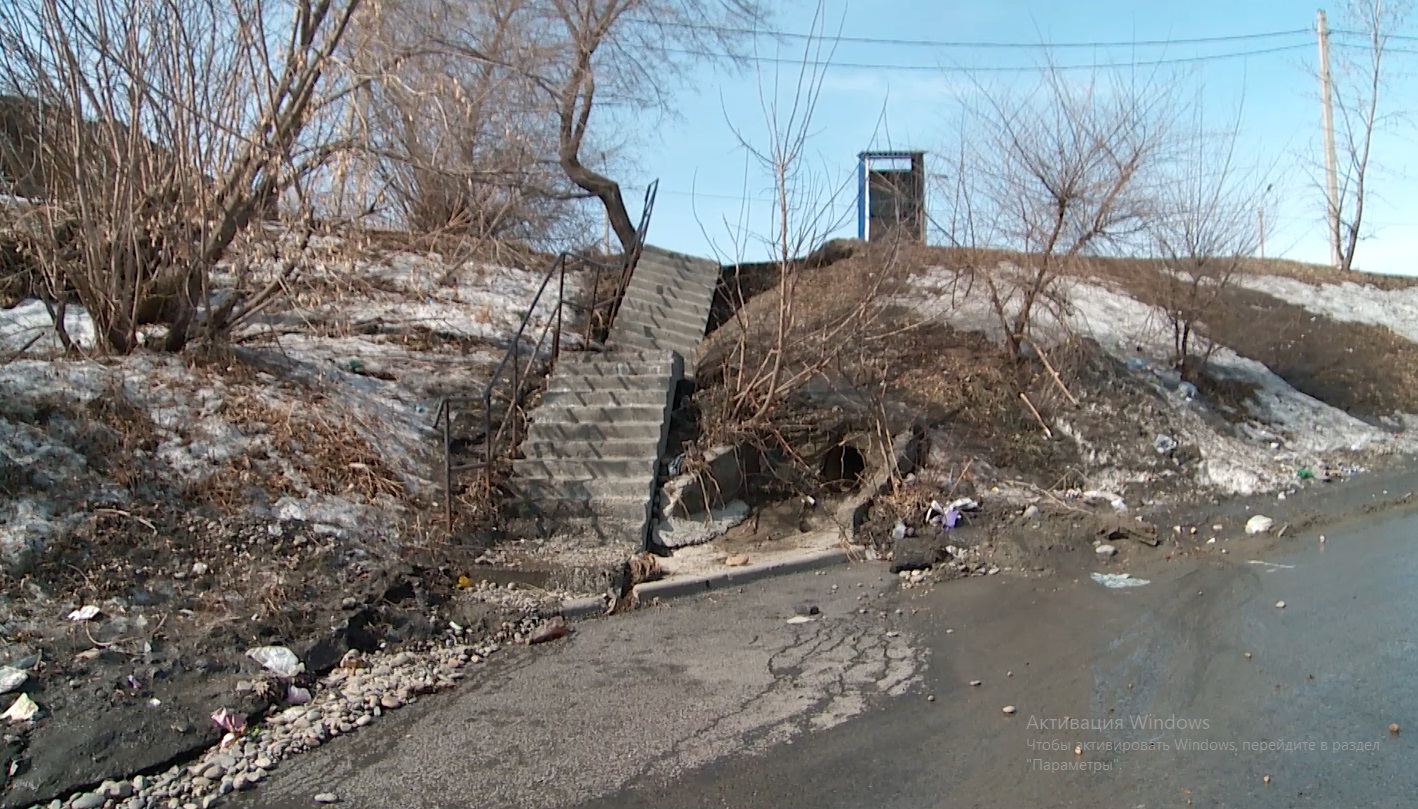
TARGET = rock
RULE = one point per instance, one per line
(262, 763)
(118, 790)
(917, 553)
(214, 772)
(1393, 728)
(1031, 512)
(737, 560)
(550, 630)
(1280, 605)
(1106, 551)
(1009, 710)
(1259, 524)
(327, 797)
(391, 702)
(11, 678)
(88, 800)
(976, 683)
(808, 608)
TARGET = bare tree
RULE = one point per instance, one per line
(456, 138)
(160, 131)
(1360, 85)
(1202, 229)
(1065, 170)
(812, 322)
(631, 53)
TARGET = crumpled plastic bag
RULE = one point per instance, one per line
(278, 660)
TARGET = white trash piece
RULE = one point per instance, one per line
(1259, 524)
(11, 678)
(1118, 581)
(85, 613)
(278, 660)
(22, 710)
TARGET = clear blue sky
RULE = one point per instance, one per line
(702, 169)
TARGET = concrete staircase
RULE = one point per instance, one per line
(590, 460)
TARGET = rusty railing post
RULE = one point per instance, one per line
(560, 304)
(446, 414)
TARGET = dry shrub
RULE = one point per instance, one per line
(322, 456)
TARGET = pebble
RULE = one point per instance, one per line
(1009, 710)
(88, 800)
(326, 797)
(1280, 605)
(1106, 550)
(976, 683)
(391, 702)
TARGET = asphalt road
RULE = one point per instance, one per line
(1142, 697)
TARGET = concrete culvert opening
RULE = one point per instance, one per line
(843, 467)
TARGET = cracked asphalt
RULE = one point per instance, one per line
(893, 698)
(645, 698)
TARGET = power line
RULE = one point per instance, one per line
(936, 43)
(985, 69)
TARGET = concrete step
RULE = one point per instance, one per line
(644, 447)
(615, 368)
(564, 469)
(552, 431)
(660, 309)
(670, 295)
(648, 277)
(596, 494)
(661, 256)
(575, 383)
(578, 358)
(639, 318)
(683, 346)
(607, 520)
(649, 397)
(592, 414)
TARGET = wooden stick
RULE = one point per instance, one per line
(1047, 432)
(1057, 379)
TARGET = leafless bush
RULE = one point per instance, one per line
(158, 132)
(1202, 229)
(1066, 170)
(455, 139)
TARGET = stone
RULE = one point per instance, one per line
(1009, 710)
(917, 553)
(1259, 524)
(327, 797)
(1106, 551)
(88, 800)
(391, 701)
(118, 790)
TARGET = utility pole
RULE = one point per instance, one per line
(1260, 228)
(1331, 164)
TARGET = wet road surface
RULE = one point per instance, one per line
(1143, 697)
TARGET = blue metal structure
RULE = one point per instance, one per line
(900, 191)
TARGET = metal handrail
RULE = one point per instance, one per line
(557, 269)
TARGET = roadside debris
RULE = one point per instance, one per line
(1259, 524)
(799, 619)
(737, 560)
(1118, 581)
(553, 629)
(1106, 551)
(1165, 444)
(1119, 528)
(1393, 728)
(295, 695)
(87, 612)
(278, 660)
(229, 721)
(11, 678)
(1116, 501)
(23, 710)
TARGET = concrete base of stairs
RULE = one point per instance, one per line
(704, 571)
